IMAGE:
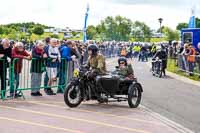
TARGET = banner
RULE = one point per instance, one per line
(85, 25)
(192, 22)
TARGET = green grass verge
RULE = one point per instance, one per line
(172, 67)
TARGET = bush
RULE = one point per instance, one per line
(55, 36)
(38, 30)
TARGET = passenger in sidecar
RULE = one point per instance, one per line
(121, 85)
(124, 70)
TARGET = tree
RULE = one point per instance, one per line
(54, 36)
(162, 28)
(115, 28)
(38, 30)
(185, 25)
(124, 27)
(181, 26)
(1, 30)
(170, 34)
(141, 31)
(15, 30)
(91, 32)
(74, 33)
(99, 29)
(197, 23)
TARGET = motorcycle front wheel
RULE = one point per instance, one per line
(72, 95)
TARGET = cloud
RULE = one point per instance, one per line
(174, 3)
(71, 13)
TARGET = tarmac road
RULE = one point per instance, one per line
(172, 98)
(49, 114)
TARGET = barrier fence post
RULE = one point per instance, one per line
(3, 73)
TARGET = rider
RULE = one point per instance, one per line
(125, 70)
(96, 61)
(162, 55)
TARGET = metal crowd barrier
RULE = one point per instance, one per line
(34, 75)
(182, 64)
(3, 77)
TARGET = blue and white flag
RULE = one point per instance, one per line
(85, 25)
(192, 22)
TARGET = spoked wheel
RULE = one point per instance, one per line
(153, 71)
(134, 96)
(72, 95)
(160, 74)
(160, 71)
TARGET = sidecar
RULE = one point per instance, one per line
(118, 89)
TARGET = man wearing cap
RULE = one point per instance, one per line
(20, 53)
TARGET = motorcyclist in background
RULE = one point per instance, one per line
(162, 55)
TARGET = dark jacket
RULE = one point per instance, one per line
(7, 53)
(162, 55)
(37, 64)
(74, 52)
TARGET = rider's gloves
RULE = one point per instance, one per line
(92, 74)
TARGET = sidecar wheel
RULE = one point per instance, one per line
(72, 96)
(134, 96)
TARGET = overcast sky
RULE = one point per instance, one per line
(70, 13)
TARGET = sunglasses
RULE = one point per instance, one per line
(122, 63)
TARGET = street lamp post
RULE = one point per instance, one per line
(160, 21)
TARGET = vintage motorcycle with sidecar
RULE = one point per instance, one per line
(108, 88)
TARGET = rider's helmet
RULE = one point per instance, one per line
(93, 48)
(162, 47)
(158, 48)
(122, 60)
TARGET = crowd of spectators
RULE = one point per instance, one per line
(57, 59)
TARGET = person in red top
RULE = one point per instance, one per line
(191, 59)
(18, 54)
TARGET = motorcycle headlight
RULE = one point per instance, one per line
(76, 73)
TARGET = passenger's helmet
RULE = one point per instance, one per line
(122, 59)
(162, 47)
(198, 45)
(93, 48)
